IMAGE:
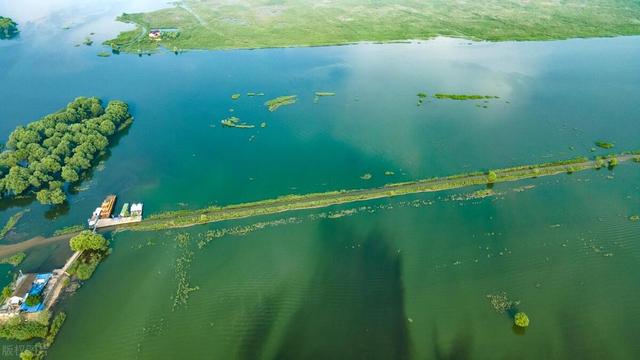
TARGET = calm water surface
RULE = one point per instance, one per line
(401, 278)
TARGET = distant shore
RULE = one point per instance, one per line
(196, 25)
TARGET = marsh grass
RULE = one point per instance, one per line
(291, 23)
(274, 104)
(12, 222)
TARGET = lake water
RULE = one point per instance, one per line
(398, 278)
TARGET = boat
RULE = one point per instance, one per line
(95, 216)
(107, 206)
(136, 210)
(125, 210)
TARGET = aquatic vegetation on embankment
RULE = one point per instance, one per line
(184, 218)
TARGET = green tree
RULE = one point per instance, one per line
(8, 28)
(51, 197)
(27, 355)
(33, 300)
(60, 147)
(69, 174)
(17, 181)
(492, 177)
(107, 127)
(88, 240)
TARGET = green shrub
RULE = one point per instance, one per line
(19, 328)
(492, 177)
(33, 300)
(521, 319)
(88, 240)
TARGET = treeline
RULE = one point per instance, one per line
(59, 149)
(8, 28)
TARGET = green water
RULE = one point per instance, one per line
(402, 278)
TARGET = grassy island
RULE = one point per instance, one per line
(8, 28)
(61, 148)
(234, 122)
(12, 222)
(274, 104)
(604, 144)
(463, 97)
(212, 24)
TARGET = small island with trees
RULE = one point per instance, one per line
(59, 149)
(8, 28)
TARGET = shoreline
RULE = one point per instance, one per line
(161, 48)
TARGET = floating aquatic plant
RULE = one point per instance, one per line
(521, 319)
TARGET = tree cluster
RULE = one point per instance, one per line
(8, 28)
(88, 240)
(41, 157)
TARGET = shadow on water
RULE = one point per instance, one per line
(460, 348)
(354, 305)
(256, 338)
(56, 211)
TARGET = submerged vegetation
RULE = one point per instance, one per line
(274, 104)
(8, 28)
(235, 96)
(463, 97)
(12, 222)
(61, 148)
(501, 303)
(234, 122)
(421, 97)
(205, 24)
(319, 94)
(604, 144)
(183, 265)
(15, 259)
(68, 230)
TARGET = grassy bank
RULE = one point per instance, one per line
(211, 24)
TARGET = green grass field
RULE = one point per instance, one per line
(215, 24)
